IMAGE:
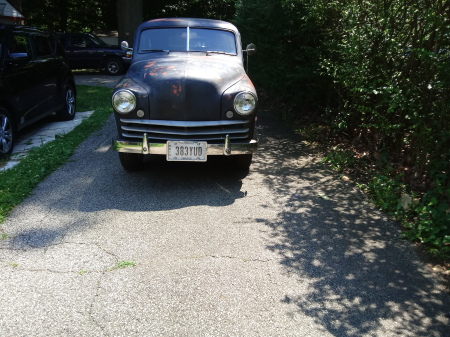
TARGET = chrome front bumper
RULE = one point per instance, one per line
(225, 149)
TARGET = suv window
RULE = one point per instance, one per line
(97, 41)
(80, 42)
(43, 45)
(20, 46)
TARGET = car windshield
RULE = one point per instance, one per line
(187, 39)
(98, 41)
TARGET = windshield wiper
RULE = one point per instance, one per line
(218, 52)
(155, 50)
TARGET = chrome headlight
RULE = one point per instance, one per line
(124, 101)
(245, 103)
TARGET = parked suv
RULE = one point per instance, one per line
(186, 95)
(87, 51)
(35, 81)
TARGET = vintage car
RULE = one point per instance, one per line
(186, 95)
(35, 81)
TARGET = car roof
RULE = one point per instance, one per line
(19, 28)
(188, 22)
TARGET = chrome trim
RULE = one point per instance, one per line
(114, 105)
(163, 130)
(203, 139)
(234, 103)
(145, 148)
(226, 147)
(161, 148)
(183, 124)
(181, 132)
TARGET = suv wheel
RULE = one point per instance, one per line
(67, 113)
(114, 66)
(7, 133)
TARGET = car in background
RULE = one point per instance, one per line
(88, 51)
(186, 95)
(35, 81)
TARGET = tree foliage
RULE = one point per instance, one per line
(71, 15)
(98, 15)
(210, 9)
(289, 38)
(390, 65)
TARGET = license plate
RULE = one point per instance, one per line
(186, 151)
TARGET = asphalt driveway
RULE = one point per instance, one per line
(201, 250)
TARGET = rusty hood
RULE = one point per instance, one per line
(187, 87)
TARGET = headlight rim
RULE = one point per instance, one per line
(128, 92)
(254, 107)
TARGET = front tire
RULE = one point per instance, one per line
(67, 113)
(131, 161)
(7, 133)
(114, 66)
(243, 161)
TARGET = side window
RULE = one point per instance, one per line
(43, 45)
(19, 47)
(79, 42)
(58, 49)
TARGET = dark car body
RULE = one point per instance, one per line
(35, 81)
(88, 51)
(184, 80)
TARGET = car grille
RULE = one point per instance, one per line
(162, 130)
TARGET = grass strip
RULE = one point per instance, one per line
(18, 182)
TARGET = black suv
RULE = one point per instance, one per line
(35, 81)
(87, 51)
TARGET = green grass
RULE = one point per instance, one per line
(122, 265)
(18, 182)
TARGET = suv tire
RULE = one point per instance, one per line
(114, 66)
(7, 133)
(67, 112)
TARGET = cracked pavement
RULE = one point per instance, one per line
(201, 250)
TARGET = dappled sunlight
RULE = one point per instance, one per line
(364, 279)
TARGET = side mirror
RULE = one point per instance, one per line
(124, 46)
(251, 49)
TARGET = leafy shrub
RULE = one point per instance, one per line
(288, 36)
(378, 71)
(339, 159)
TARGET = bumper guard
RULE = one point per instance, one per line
(144, 147)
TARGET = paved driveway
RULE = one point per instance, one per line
(201, 250)
(96, 79)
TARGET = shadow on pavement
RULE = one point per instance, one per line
(363, 278)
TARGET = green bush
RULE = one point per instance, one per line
(288, 36)
(378, 72)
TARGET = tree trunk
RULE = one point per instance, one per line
(130, 15)
(63, 15)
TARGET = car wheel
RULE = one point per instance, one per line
(67, 113)
(114, 66)
(243, 161)
(7, 133)
(131, 161)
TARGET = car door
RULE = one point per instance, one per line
(21, 77)
(81, 52)
(47, 68)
